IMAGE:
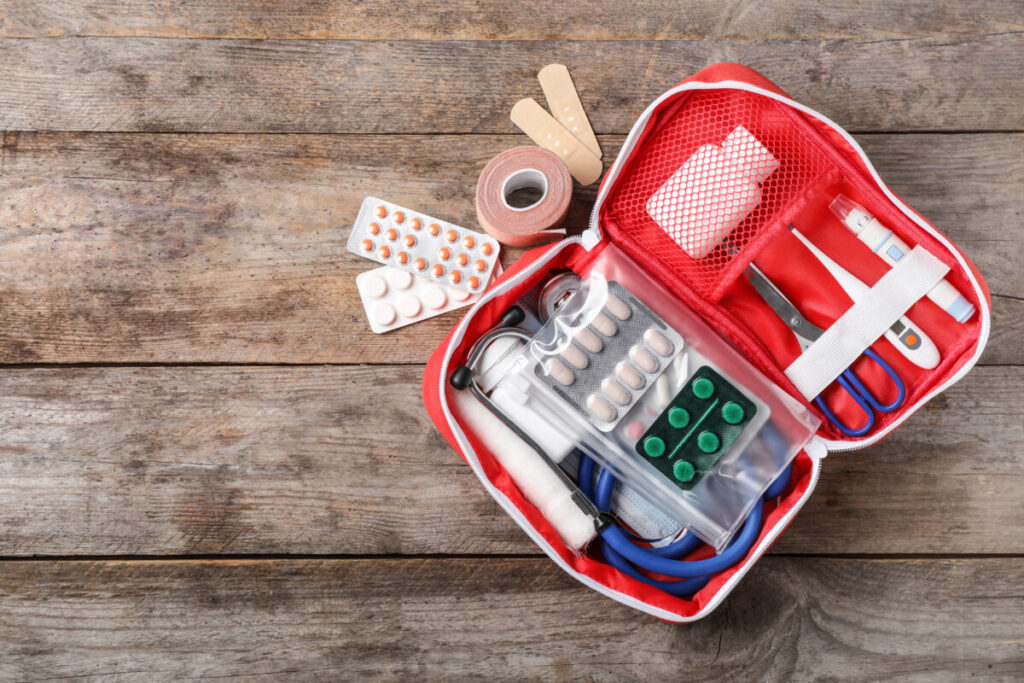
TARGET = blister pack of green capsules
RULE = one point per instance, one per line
(699, 425)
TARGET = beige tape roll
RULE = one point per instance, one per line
(515, 169)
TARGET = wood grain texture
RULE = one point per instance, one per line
(791, 619)
(146, 84)
(230, 248)
(342, 460)
(474, 20)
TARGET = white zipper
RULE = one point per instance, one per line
(816, 449)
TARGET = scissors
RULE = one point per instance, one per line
(806, 333)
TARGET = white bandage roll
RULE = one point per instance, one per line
(531, 474)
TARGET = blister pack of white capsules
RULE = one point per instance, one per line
(423, 245)
(394, 298)
(601, 353)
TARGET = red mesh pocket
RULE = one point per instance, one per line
(711, 184)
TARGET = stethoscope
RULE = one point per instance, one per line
(618, 546)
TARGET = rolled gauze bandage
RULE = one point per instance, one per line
(516, 169)
(531, 474)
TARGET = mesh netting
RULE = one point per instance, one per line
(690, 196)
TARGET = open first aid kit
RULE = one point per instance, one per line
(652, 401)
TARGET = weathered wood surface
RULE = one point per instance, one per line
(167, 223)
(508, 618)
(342, 460)
(474, 20)
(231, 248)
(194, 85)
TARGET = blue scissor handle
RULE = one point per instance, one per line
(866, 393)
(864, 406)
(863, 397)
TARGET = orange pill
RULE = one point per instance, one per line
(402, 257)
(373, 228)
(444, 253)
(468, 242)
(381, 212)
(415, 224)
(473, 282)
(391, 234)
(437, 270)
(462, 259)
(409, 240)
(451, 236)
(486, 248)
(433, 229)
(366, 245)
(398, 216)
(479, 265)
(455, 276)
(419, 264)
(384, 252)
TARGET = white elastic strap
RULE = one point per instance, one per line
(911, 278)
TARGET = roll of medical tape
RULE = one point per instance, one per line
(516, 169)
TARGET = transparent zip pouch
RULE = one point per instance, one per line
(626, 374)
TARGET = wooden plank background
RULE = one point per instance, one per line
(192, 482)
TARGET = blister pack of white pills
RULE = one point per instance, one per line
(395, 298)
(423, 245)
(602, 350)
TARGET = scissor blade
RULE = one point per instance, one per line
(783, 307)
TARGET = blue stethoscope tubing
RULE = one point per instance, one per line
(626, 556)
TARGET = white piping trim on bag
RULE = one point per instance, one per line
(512, 511)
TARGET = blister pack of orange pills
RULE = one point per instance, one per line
(423, 245)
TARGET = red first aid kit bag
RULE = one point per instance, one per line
(644, 215)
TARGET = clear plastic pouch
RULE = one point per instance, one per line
(608, 380)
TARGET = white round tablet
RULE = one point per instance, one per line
(384, 314)
(434, 297)
(401, 279)
(458, 294)
(409, 306)
(374, 286)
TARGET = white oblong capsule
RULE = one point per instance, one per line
(614, 391)
(645, 360)
(575, 357)
(659, 342)
(618, 307)
(601, 407)
(589, 341)
(605, 326)
(557, 369)
(629, 375)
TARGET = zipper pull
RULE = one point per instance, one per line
(590, 238)
(816, 448)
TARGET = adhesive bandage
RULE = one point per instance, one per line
(564, 103)
(547, 132)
